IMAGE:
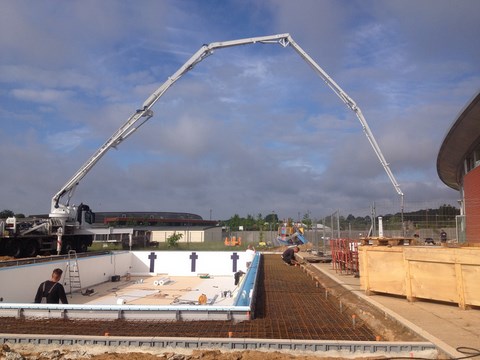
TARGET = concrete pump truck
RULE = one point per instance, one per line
(69, 227)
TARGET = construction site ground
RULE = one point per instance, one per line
(308, 302)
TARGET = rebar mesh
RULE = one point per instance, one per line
(289, 305)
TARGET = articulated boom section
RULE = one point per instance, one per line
(67, 213)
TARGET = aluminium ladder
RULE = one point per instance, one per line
(72, 276)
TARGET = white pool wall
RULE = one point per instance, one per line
(19, 284)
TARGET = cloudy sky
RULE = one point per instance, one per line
(251, 129)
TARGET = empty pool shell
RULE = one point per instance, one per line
(288, 305)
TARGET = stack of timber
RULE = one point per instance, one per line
(447, 274)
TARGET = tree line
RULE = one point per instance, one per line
(9, 213)
(443, 216)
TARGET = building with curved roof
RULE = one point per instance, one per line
(458, 166)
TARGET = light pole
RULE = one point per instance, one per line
(273, 218)
(323, 238)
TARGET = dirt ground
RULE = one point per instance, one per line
(30, 352)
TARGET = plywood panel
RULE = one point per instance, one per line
(386, 273)
(427, 253)
(434, 281)
(471, 281)
(468, 256)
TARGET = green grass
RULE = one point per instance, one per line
(100, 246)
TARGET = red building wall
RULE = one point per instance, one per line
(471, 188)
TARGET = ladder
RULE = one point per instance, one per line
(72, 273)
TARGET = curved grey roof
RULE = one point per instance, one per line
(462, 138)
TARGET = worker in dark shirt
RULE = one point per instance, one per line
(289, 255)
(443, 236)
(51, 291)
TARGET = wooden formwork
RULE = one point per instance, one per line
(422, 272)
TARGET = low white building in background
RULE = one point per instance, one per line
(188, 235)
(321, 227)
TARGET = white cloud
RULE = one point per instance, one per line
(66, 141)
(42, 96)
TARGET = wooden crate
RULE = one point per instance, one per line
(422, 272)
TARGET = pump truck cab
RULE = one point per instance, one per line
(69, 227)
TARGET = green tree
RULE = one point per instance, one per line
(351, 218)
(172, 240)
(271, 218)
(249, 223)
(306, 220)
(234, 222)
(6, 213)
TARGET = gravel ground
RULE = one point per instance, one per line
(35, 352)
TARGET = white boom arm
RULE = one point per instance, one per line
(353, 106)
(137, 119)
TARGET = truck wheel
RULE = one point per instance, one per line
(31, 249)
(67, 246)
(14, 249)
(82, 247)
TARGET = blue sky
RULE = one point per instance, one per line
(251, 129)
